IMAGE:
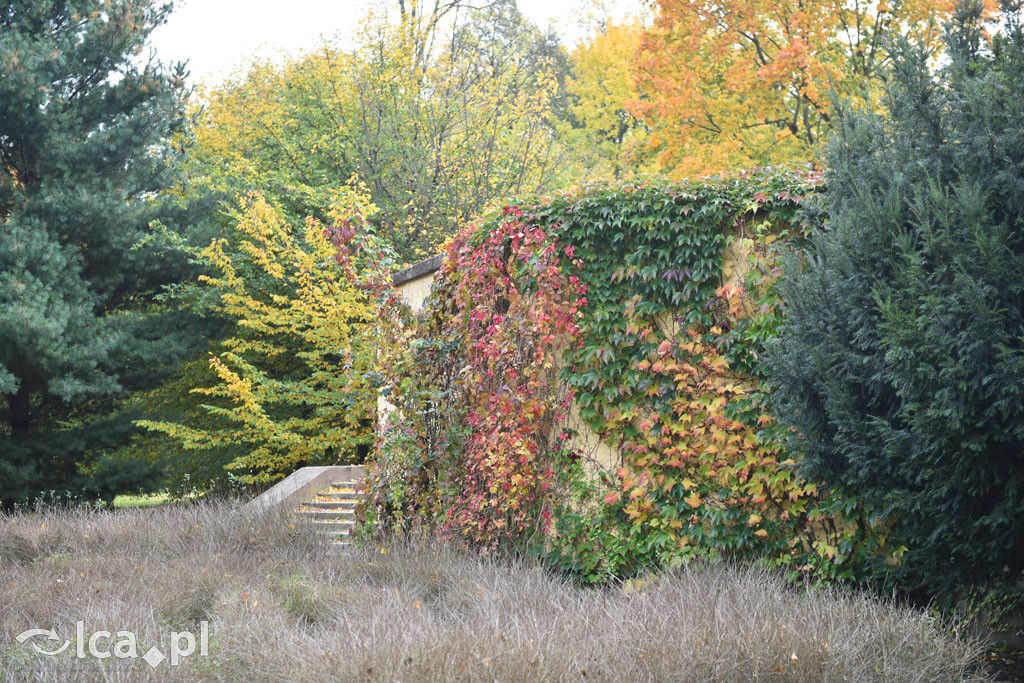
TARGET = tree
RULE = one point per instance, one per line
(899, 364)
(442, 137)
(85, 142)
(741, 83)
(295, 381)
(438, 115)
(603, 88)
(283, 130)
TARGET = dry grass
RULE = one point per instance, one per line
(283, 606)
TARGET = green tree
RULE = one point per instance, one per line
(86, 129)
(441, 136)
(438, 109)
(900, 362)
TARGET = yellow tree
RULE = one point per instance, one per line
(438, 108)
(740, 83)
(295, 379)
(282, 129)
(602, 88)
(454, 111)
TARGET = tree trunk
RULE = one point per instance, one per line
(21, 410)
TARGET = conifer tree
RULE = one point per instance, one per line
(901, 362)
(86, 126)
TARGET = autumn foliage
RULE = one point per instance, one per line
(739, 83)
(438, 112)
(508, 306)
(294, 383)
(609, 312)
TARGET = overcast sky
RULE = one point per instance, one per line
(215, 36)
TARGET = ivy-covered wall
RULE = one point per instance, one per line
(583, 382)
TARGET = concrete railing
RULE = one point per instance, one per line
(302, 484)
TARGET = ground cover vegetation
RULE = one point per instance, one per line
(281, 605)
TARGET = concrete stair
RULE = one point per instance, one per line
(332, 511)
(322, 499)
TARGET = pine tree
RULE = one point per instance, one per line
(86, 128)
(901, 362)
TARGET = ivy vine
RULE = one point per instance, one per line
(639, 311)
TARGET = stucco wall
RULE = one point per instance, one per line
(415, 291)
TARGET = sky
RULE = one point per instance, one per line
(216, 36)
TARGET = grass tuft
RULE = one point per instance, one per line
(282, 605)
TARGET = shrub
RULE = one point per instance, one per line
(900, 361)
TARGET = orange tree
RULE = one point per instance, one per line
(660, 358)
(735, 83)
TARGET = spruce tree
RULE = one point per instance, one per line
(901, 363)
(87, 119)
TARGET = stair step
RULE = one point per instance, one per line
(326, 515)
(332, 512)
(329, 505)
(336, 534)
(343, 487)
(337, 497)
(327, 526)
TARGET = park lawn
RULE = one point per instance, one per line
(142, 500)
